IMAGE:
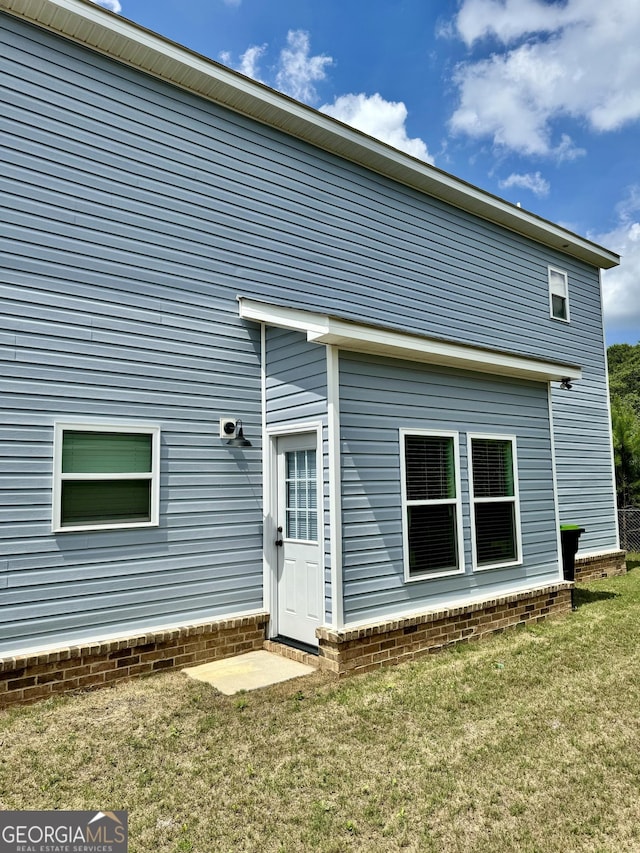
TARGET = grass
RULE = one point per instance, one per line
(529, 742)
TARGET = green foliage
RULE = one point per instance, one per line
(626, 451)
(624, 385)
(624, 374)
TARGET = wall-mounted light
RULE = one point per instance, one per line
(565, 383)
(231, 428)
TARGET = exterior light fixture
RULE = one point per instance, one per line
(239, 440)
(565, 384)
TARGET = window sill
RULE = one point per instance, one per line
(508, 565)
(83, 528)
(428, 576)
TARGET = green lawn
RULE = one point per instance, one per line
(529, 742)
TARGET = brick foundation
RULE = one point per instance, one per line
(356, 650)
(29, 677)
(600, 566)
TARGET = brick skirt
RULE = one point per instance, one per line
(29, 677)
(354, 650)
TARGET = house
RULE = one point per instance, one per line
(266, 377)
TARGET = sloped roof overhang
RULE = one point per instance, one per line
(381, 341)
(88, 24)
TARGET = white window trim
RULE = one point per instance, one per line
(457, 502)
(81, 426)
(565, 296)
(515, 499)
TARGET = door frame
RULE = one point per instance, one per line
(270, 514)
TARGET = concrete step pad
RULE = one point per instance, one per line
(248, 672)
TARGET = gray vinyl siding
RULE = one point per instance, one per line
(582, 431)
(296, 391)
(133, 214)
(296, 378)
(105, 320)
(378, 397)
(274, 217)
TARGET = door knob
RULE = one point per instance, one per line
(279, 541)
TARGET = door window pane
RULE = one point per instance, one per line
(301, 491)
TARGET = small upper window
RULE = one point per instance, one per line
(559, 294)
(105, 476)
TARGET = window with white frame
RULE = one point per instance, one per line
(559, 294)
(495, 512)
(105, 476)
(431, 498)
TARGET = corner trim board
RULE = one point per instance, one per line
(335, 486)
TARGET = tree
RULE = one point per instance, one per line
(624, 374)
(626, 450)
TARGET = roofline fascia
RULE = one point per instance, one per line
(125, 41)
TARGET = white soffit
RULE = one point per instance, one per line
(376, 340)
(94, 27)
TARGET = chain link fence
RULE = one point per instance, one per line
(629, 522)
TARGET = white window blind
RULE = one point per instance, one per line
(431, 505)
(494, 494)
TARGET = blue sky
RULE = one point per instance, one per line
(533, 100)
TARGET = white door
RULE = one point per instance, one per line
(299, 587)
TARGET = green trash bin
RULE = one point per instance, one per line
(569, 538)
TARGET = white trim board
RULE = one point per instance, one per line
(554, 474)
(335, 486)
(376, 340)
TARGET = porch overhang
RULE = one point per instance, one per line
(378, 340)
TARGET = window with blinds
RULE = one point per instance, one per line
(494, 495)
(105, 477)
(559, 294)
(432, 511)
(301, 495)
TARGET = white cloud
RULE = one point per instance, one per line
(112, 5)
(295, 72)
(575, 59)
(249, 61)
(385, 120)
(298, 71)
(509, 20)
(621, 285)
(532, 181)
